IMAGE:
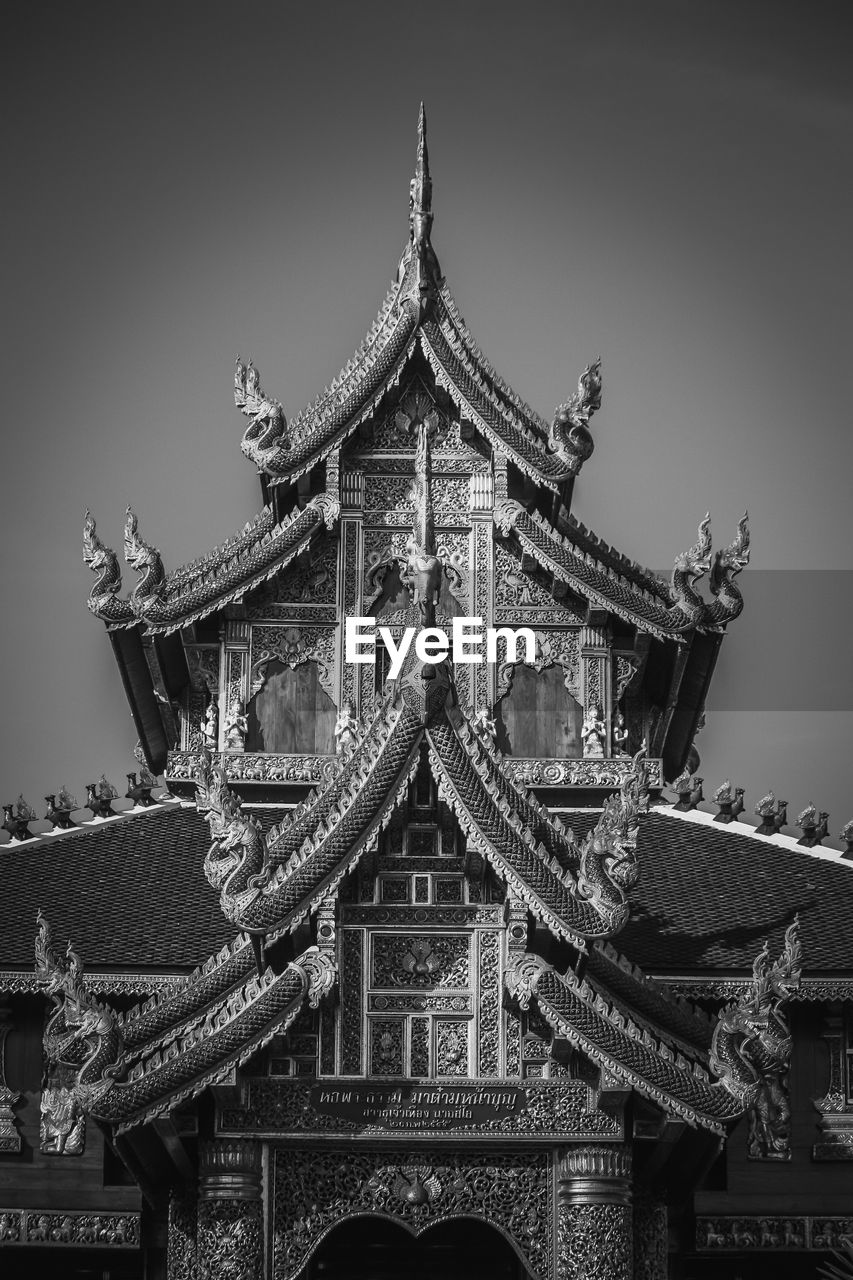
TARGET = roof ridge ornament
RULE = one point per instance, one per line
(689, 567)
(419, 272)
(569, 436)
(147, 562)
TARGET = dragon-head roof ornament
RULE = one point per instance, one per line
(147, 562)
(103, 599)
(728, 563)
(101, 560)
(689, 567)
(570, 436)
(608, 866)
(267, 429)
(237, 863)
(751, 1044)
(81, 1034)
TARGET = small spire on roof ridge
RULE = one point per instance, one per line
(427, 275)
(421, 186)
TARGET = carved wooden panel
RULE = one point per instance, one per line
(538, 716)
(291, 712)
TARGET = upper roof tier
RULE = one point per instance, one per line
(419, 311)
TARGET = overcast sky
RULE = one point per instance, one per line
(665, 185)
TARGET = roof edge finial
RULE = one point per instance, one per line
(420, 202)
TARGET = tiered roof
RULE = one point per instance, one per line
(419, 315)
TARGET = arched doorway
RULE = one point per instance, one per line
(378, 1249)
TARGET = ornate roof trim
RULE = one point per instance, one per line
(791, 843)
(323, 838)
(594, 579)
(812, 990)
(600, 1029)
(577, 905)
(167, 602)
(207, 1052)
(22, 982)
(651, 1002)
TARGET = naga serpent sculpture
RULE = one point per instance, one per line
(728, 563)
(147, 562)
(569, 435)
(81, 1039)
(751, 1046)
(608, 866)
(689, 567)
(102, 560)
(237, 862)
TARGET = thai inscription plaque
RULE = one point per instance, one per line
(400, 1108)
(310, 1111)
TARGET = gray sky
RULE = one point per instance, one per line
(665, 185)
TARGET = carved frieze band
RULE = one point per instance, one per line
(315, 1190)
(578, 773)
(182, 766)
(88, 1230)
(784, 1233)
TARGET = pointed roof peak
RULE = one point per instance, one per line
(420, 189)
(422, 182)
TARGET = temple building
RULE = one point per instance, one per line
(411, 963)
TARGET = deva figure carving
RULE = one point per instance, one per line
(570, 436)
(82, 1046)
(751, 1047)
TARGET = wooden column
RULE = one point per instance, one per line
(230, 1212)
(595, 1232)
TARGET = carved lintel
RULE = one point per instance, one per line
(63, 1228)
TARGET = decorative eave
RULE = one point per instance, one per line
(419, 309)
(677, 1081)
(163, 603)
(205, 1053)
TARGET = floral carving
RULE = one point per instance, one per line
(594, 1242)
(230, 1244)
(488, 1033)
(430, 961)
(451, 1048)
